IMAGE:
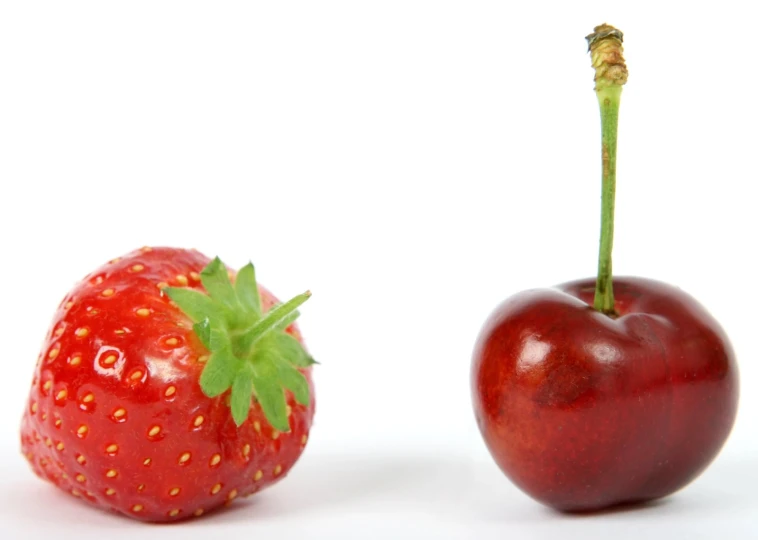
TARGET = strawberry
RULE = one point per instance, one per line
(168, 386)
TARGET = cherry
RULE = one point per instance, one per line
(600, 392)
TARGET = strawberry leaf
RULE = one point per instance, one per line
(290, 349)
(251, 352)
(247, 289)
(215, 279)
(219, 340)
(291, 379)
(242, 393)
(218, 374)
(196, 305)
(203, 331)
(270, 394)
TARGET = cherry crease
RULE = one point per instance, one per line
(583, 411)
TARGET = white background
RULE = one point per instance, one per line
(412, 163)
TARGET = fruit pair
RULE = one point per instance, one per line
(168, 385)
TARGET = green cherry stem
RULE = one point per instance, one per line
(605, 46)
(608, 99)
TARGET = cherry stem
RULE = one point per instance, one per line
(610, 76)
(609, 117)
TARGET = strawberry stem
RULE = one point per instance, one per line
(278, 317)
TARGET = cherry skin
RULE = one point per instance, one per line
(583, 410)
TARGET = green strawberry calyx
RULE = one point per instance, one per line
(250, 352)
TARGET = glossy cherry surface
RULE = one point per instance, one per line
(583, 410)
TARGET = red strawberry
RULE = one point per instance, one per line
(159, 401)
